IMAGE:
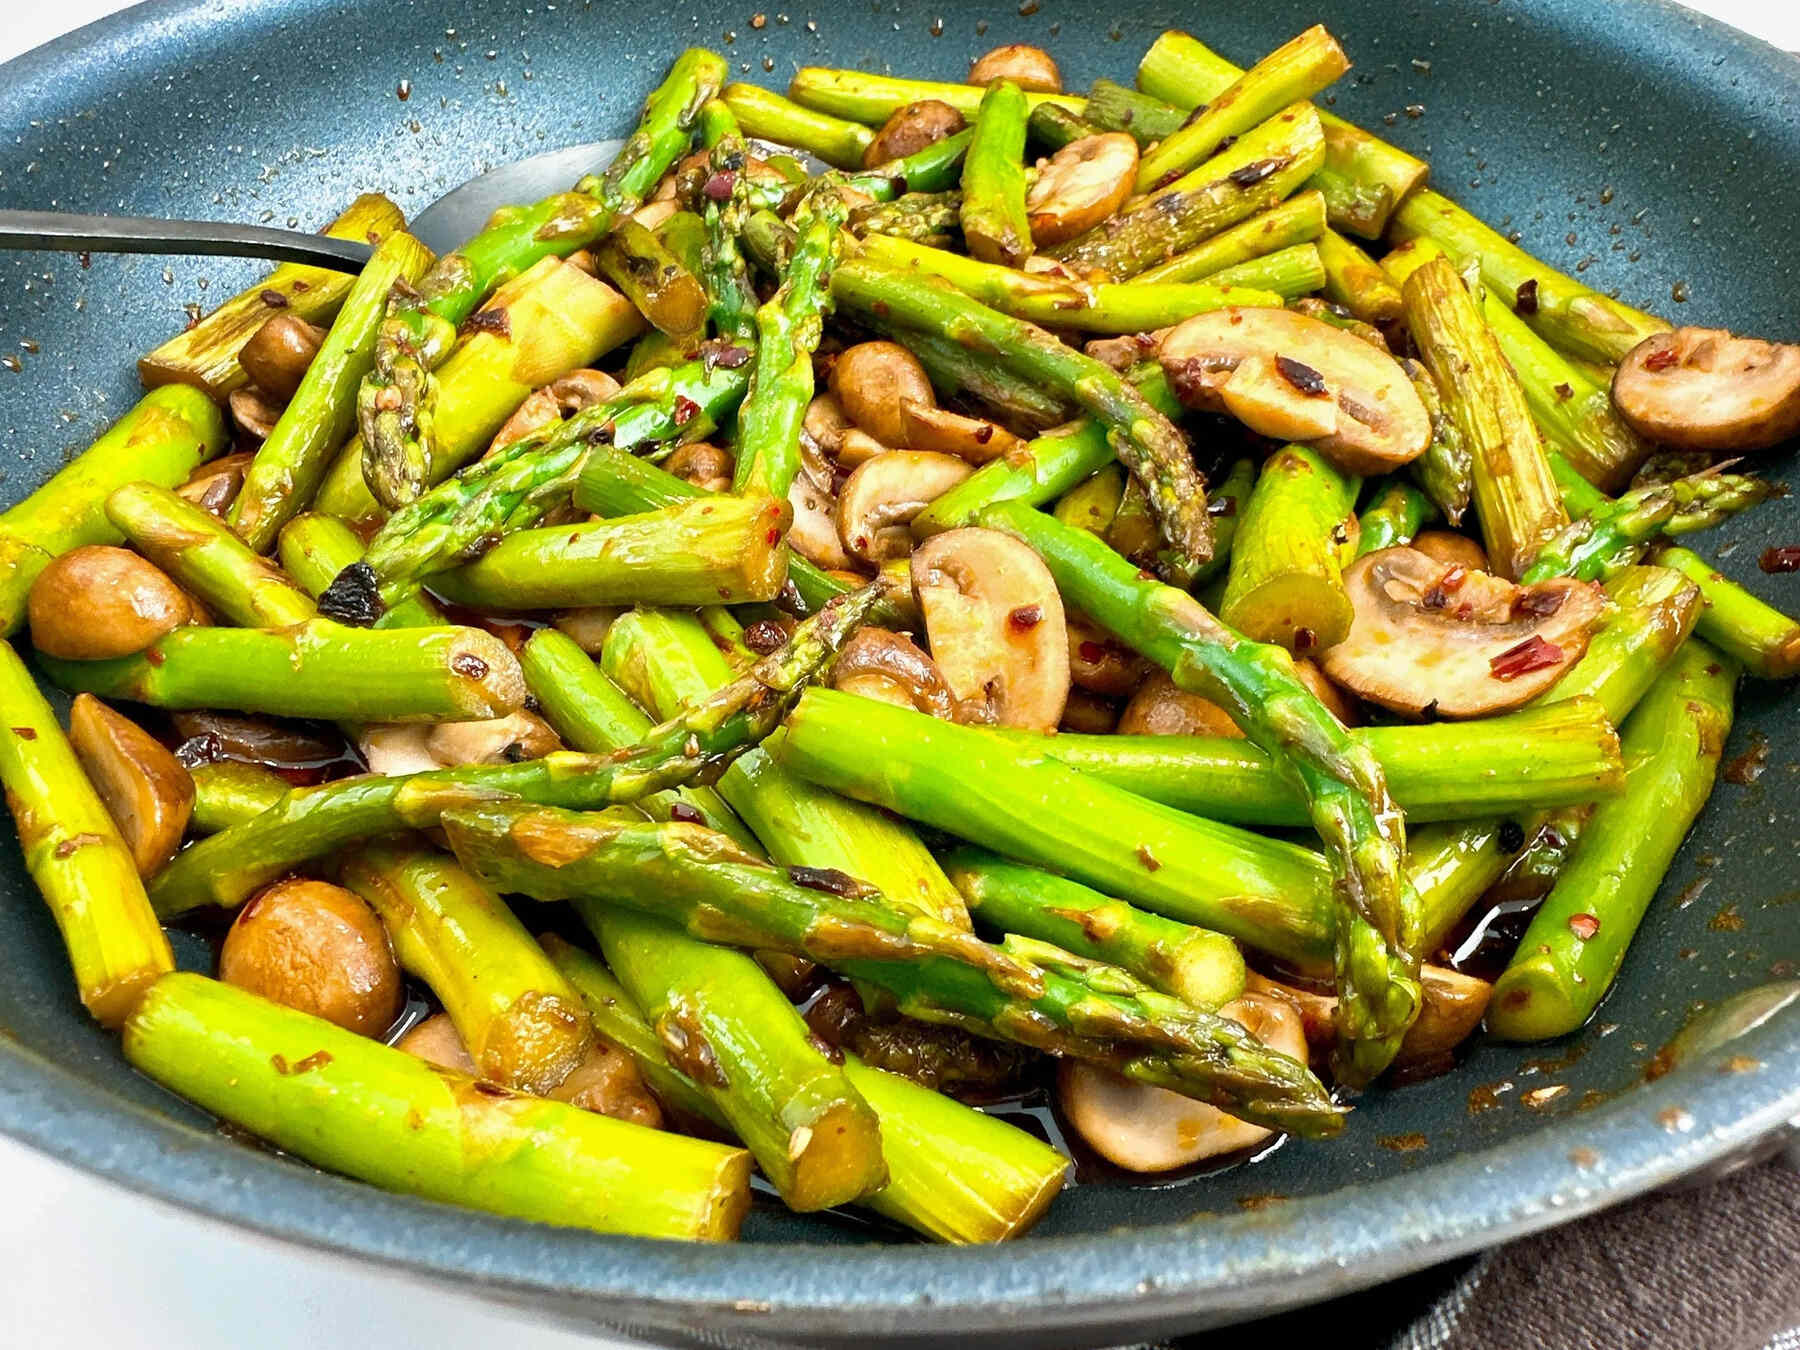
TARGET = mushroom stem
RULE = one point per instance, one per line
(1286, 582)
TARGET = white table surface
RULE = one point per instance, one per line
(87, 1264)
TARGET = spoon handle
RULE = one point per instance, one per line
(62, 232)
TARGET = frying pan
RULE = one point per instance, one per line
(1650, 149)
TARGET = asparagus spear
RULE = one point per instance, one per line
(768, 116)
(1296, 70)
(1341, 781)
(396, 404)
(1036, 995)
(1572, 317)
(923, 217)
(1298, 220)
(1197, 966)
(1104, 308)
(228, 792)
(717, 123)
(542, 324)
(1286, 585)
(206, 355)
(200, 551)
(1446, 471)
(1117, 107)
(1144, 440)
(935, 168)
(1762, 639)
(656, 282)
(293, 459)
(1355, 280)
(356, 1106)
(1289, 273)
(993, 179)
(310, 822)
(523, 1023)
(954, 1173)
(1226, 503)
(72, 849)
(731, 299)
(1516, 498)
(1255, 173)
(314, 551)
(1053, 126)
(1397, 513)
(169, 433)
(1576, 943)
(871, 99)
(958, 373)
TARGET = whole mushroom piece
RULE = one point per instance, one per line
(316, 947)
(97, 602)
(1703, 389)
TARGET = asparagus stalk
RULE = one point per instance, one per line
(1196, 966)
(860, 96)
(667, 661)
(731, 299)
(1297, 70)
(356, 1106)
(315, 549)
(717, 123)
(523, 1023)
(1289, 273)
(1298, 220)
(1117, 107)
(293, 459)
(1255, 173)
(649, 274)
(993, 179)
(594, 715)
(200, 551)
(1570, 316)
(956, 372)
(1286, 584)
(1093, 503)
(1446, 471)
(169, 433)
(1576, 943)
(1341, 781)
(1036, 995)
(768, 116)
(1144, 440)
(1226, 503)
(311, 822)
(1397, 513)
(954, 1173)
(206, 355)
(920, 216)
(542, 324)
(936, 168)
(1355, 280)
(1758, 636)
(1104, 308)
(72, 849)
(228, 792)
(1053, 126)
(1516, 498)
(712, 549)
(396, 405)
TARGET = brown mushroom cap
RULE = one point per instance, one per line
(703, 464)
(1160, 709)
(1099, 662)
(824, 425)
(996, 626)
(1031, 68)
(146, 791)
(1450, 1009)
(253, 412)
(276, 356)
(882, 496)
(214, 485)
(951, 433)
(1380, 422)
(562, 398)
(97, 602)
(1088, 714)
(396, 748)
(871, 379)
(910, 129)
(1703, 389)
(1150, 1129)
(1435, 638)
(318, 948)
(607, 1083)
(881, 655)
(1081, 185)
(814, 531)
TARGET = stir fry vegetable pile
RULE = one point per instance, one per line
(1106, 581)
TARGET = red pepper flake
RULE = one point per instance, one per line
(469, 665)
(1662, 358)
(773, 536)
(1564, 392)
(1525, 300)
(686, 814)
(718, 187)
(1532, 654)
(1784, 558)
(1584, 926)
(685, 410)
(1025, 618)
(154, 656)
(1091, 652)
(827, 879)
(25, 733)
(1302, 376)
(1249, 175)
(275, 299)
(1147, 858)
(1541, 603)
(764, 636)
(730, 356)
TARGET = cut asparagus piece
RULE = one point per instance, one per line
(1398, 512)
(1298, 220)
(1289, 273)
(1053, 126)
(72, 849)
(993, 219)
(169, 433)
(228, 792)
(1115, 107)
(1355, 280)
(206, 355)
(936, 168)
(1576, 943)
(1286, 581)
(353, 1105)
(860, 96)
(314, 551)
(1446, 471)
(1761, 638)
(768, 116)
(635, 259)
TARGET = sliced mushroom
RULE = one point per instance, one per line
(880, 663)
(1434, 638)
(587, 626)
(1150, 1129)
(1099, 662)
(436, 1041)
(1703, 389)
(856, 447)
(825, 425)
(814, 532)
(1446, 546)
(951, 433)
(1031, 68)
(1160, 709)
(315, 947)
(268, 741)
(147, 792)
(1126, 350)
(277, 355)
(607, 1083)
(214, 486)
(910, 129)
(394, 749)
(1081, 185)
(253, 412)
(1322, 372)
(1089, 714)
(871, 380)
(1336, 701)
(652, 214)
(703, 464)
(98, 602)
(996, 626)
(1450, 1009)
(498, 740)
(882, 496)
(557, 401)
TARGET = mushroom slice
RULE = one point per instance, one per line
(436, 1041)
(880, 663)
(1380, 422)
(253, 412)
(554, 402)
(872, 379)
(1150, 1129)
(856, 447)
(147, 792)
(814, 532)
(825, 424)
(497, 740)
(587, 626)
(703, 464)
(1081, 185)
(1451, 1005)
(996, 626)
(1160, 709)
(214, 486)
(882, 496)
(950, 433)
(1427, 637)
(1099, 662)
(1703, 389)
(1279, 403)
(393, 749)
(277, 355)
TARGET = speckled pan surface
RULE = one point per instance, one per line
(1630, 139)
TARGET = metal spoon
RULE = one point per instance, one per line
(456, 216)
